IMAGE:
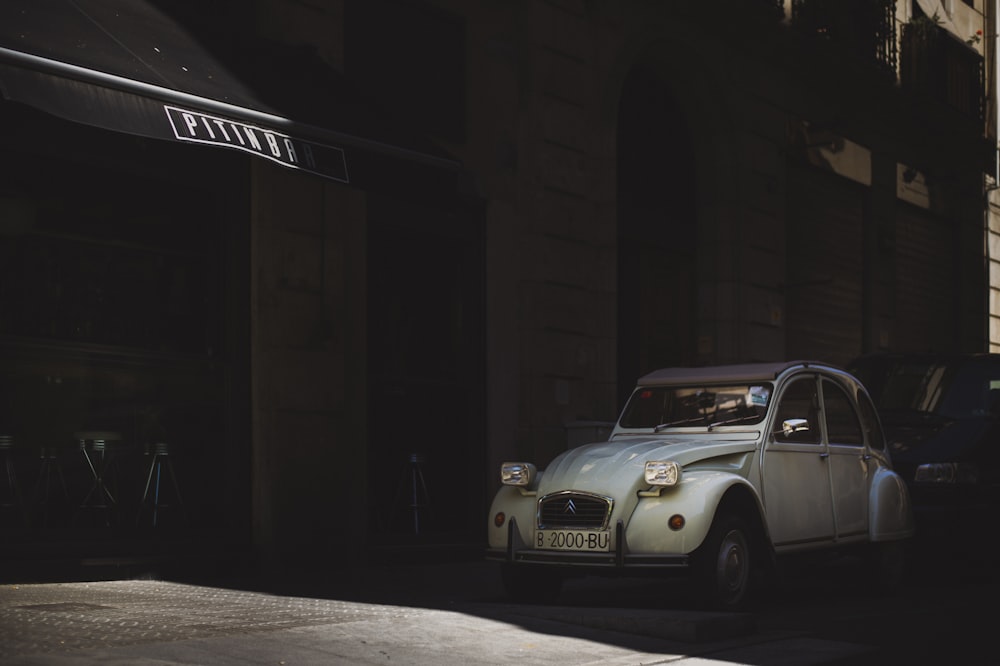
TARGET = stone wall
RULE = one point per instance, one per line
(307, 322)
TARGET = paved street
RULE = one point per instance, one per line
(154, 622)
(455, 614)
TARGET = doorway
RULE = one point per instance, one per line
(657, 232)
(427, 446)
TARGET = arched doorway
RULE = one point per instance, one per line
(657, 232)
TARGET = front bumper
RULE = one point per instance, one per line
(518, 552)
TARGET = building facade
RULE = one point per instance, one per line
(512, 210)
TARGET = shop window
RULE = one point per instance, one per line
(102, 260)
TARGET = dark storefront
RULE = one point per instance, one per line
(124, 338)
(121, 292)
(127, 341)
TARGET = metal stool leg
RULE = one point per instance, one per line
(161, 457)
(418, 488)
(12, 498)
(102, 468)
(42, 497)
(411, 481)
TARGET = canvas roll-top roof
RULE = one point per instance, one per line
(126, 66)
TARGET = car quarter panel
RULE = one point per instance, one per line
(891, 516)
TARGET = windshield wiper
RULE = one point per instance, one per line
(741, 419)
(664, 426)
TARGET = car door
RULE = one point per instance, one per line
(848, 461)
(795, 470)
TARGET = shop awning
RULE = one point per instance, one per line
(126, 66)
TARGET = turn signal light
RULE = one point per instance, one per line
(676, 522)
(499, 519)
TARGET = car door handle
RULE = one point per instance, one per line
(866, 457)
(824, 456)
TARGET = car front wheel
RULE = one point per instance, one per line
(722, 565)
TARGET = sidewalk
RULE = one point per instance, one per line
(430, 614)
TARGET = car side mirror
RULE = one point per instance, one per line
(792, 426)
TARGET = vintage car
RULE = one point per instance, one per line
(713, 473)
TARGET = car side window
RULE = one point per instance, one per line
(799, 401)
(869, 421)
(842, 425)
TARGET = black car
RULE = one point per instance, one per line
(941, 416)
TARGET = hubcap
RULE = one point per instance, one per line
(733, 562)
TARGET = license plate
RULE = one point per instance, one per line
(582, 540)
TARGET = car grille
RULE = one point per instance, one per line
(574, 511)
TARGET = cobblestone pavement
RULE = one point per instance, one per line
(152, 622)
(455, 614)
(61, 617)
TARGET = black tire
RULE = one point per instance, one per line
(531, 585)
(723, 565)
(891, 559)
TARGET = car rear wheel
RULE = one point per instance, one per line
(723, 565)
(891, 560)
(531, 585)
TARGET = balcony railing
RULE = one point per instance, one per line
(936, 65)
(930, 61)
(864, 30)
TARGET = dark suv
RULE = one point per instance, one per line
(941, 416)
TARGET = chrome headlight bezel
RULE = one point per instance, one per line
(664, 473)
(946, 473)
(520, 474)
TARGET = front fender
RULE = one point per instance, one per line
(514, 503)
(890, 512)
(696, 498)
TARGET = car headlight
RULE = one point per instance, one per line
(663, 473)
(517, 473)
(946, 473)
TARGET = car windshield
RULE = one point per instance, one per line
(661, 407)
(950, 389)
(912, 385)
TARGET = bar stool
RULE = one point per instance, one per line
(94, 446)
(411, 482)
(50, 474)
(10, 495)
(160, 458)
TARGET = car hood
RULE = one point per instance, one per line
(615, 468)
(940, 441)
